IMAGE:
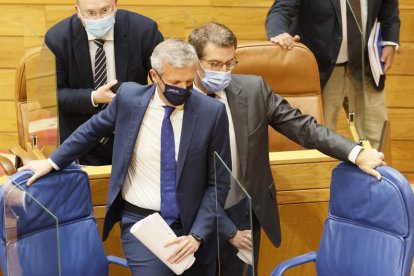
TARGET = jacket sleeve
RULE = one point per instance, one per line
(389, 18)
(302, 128)
(280, 16)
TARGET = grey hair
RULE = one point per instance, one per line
(175, 52)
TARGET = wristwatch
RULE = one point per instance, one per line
(197, 238)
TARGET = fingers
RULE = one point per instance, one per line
(285, 40)
(110, 84)
(186, 245)
(374, 173)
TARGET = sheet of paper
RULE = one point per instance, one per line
(246, 256)
(154, 232)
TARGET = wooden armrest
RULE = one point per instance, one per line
(7, 165)
(98, 171)
(298, 156)
(22, 154)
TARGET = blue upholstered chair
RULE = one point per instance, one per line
(63, 242)
(369, 230)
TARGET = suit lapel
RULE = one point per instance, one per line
(337, 7)
(81, 52)
(189, 121)
(121, 45)
(135, 121)
(237, 101)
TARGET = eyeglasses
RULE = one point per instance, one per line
(217, 65)
(98, 14)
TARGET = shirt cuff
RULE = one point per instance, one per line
(352, 156)
(53, 164)
(384, 43)
(93, 103)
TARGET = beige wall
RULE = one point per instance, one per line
(177, 18)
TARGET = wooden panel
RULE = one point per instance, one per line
(399, 91)
(99, 190)
(10, 55)
(403, 63)
(8, 140)
(8, 121)
(407, 26)
(403, 155)
(7, 84)
(306, 196)
(302, 226)
(402, 123)
(22, 20)
(303, 176)
(407, 3)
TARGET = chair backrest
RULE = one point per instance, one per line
(292, 74)
(369, 230)
(33, 249)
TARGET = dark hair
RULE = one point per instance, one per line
(215, 33)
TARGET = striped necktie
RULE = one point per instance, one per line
(100, 64)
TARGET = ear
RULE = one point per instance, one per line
(153, 75)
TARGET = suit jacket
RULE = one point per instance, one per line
(204, 131)
(135, 37)
(254, 107)
(318, 23)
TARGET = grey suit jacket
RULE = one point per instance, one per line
(253, 107)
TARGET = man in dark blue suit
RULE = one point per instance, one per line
(200, 128)
(128, 41)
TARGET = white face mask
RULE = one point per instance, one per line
(215, 81)
(100, 27)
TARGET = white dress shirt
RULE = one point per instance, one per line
(142, 185)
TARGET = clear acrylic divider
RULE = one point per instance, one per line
(31, 232)
(40, 86)
(357, 69)
(233, 212)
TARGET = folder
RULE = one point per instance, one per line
(375, 47)
(154, 232)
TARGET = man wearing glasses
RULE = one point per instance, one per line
(252, 107)
(94, 49)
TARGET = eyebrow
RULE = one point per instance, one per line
(214, 60)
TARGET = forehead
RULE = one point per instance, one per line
(223, 54)
(94, 4)
(172, 74)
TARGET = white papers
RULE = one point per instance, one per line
(154, 232)
(375, 52)
(246, 256)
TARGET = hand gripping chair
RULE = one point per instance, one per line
(33, 250)
(370, 227)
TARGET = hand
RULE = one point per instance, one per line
(387, 56)
(104, 94)
(39, 167)
(186, 245)
(368, 159)
(242, 239)
(285, 40)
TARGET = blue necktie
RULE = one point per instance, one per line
(169, 208)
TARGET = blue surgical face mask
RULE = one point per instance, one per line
(99, 27)
(176, 95)
(215, 81)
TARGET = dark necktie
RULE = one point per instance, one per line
(100, 64)
(213, 95)
(355, 38)
(169, 208)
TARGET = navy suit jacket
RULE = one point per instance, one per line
(318, 23)
(135, 37)
(204, 131)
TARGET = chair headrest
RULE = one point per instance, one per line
(382, 204)
(65, 193)
(289, 73)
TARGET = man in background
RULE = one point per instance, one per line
(251, 108)
(95, 48)
(337, 33)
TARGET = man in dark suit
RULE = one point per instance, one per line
(252, 107)
(127, 40)
(333, 33)
(200, 128)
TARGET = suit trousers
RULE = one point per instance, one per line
(343, 90)
(142, 262)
